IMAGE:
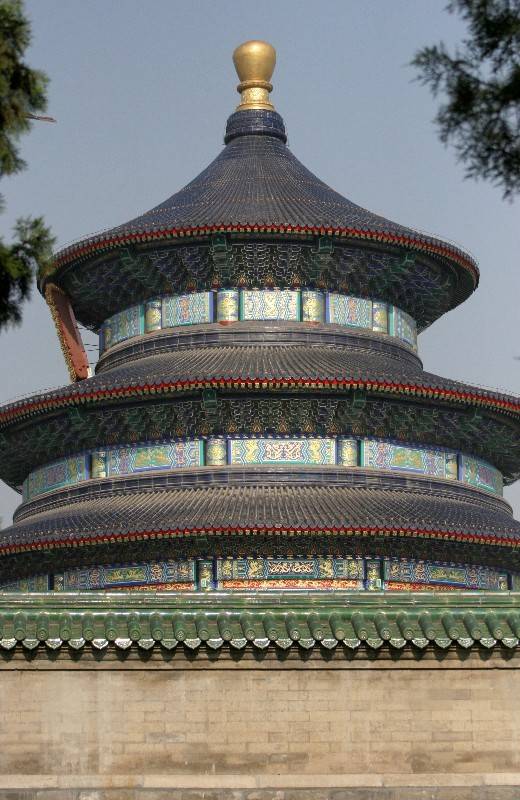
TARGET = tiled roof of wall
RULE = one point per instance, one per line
(348, 623)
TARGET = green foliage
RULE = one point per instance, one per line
(481, 83)
(22, 93)
(32, 249)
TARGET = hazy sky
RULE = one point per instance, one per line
(141, 90)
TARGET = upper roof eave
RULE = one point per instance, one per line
(104, 243)
(256, 185)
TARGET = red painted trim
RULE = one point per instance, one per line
(68, 332)
(85, 249)
(111, 538)
(29, 408)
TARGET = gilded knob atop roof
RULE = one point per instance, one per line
(254, 62)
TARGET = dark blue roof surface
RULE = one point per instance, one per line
(256, 180)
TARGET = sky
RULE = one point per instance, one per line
(142, 91)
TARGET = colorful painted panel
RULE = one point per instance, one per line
(122, 326)
(187, 309)
(428, 573)
(216, 452)
(481, 474)
(37, 583)
(282, 451)
(313, 306)
(205, 575)
(387, 455)
(348, 452)
(231, 305)
(98, 464)
(179, 573)
(291, 583)
(373, 582)
(395, 586)
(153, 315)
(379, 317)
(351, 311)
(153, 457)
(452, 466)
(290, 573)
(219, 451)
(405, 327)
(228, 305)
(58, 475)
(269, 304)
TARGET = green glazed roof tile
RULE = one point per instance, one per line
(261, 620)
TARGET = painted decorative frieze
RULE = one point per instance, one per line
(153, 315)
(377, 454)
(154, 457)
(234, 305)
(379, 317)
(380, 454)
(269, 304)
(178, 575)
(228, 305)
(405, 327)
(98, 464)
(290, 573)
(216, 452)
(313, 306)
(350, 311)
(282, 451)
(481, 474)
(264, 573)
(348, 452)
(58, 475)
(36, 583)
(373, 578)
(433, 574)
(187, 309)
(124, 325)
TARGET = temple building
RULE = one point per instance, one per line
(264, 471)
(260, 416)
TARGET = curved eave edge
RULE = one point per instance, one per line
(41, 405)
(347, 531)
(84, 250)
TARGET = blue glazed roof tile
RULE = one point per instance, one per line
(256, 180)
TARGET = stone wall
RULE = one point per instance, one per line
(261, 731)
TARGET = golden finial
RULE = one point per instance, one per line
(254, 62)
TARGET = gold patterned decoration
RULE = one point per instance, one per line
(216, 452)
(98, 464)
(348, 452)
(153, 315)
(55, 318)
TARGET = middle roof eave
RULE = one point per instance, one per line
(261, 367)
